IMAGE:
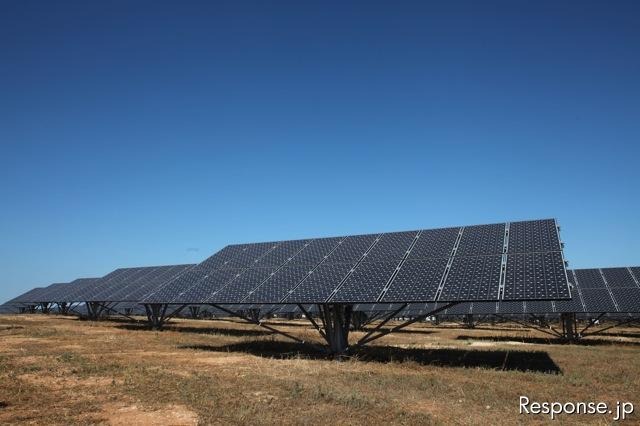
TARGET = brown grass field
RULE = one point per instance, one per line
(61, 370)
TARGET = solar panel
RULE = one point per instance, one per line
(513, 261)
(595, 291)
(627, 299)
(536, 276)
(239, 288)
(319, 284)
(417, 280)
(473, 278)
(137, 291)
(619, 277)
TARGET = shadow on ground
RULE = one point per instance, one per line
(504, 360)
(587, 341)
(198, 330)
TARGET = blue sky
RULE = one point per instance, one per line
(145, 133)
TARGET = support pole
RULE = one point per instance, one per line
(337, 322)
(194, 311)
(63, 307)
(94, 309)
(156, 314)
(358, 320)
(468, 321)
(569, 327)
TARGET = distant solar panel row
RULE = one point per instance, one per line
(509, 261)
(499, 262)
(605, 290)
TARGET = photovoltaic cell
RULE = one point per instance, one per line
(535, 276)
(240, 287)
(178, 286)
(619, 277)
(249, 255)
(204, 288)
(319, 285)
(481, 240)
(598, 300)
(281, 254)
(219, 259)
(473, 278)
(315, 252)
(365, 284)
(382, 259)
(138, 292)
(417, 280)
(485, 308)
(277, 287)
(392, 246)
(351, 249)
(434, 243)
(589, 278)
(573, 305)
(533, 236)
(538, 307)
(628, 299)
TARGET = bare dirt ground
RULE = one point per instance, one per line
(61, 370)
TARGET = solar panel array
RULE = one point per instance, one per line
(604, 290)
(508, 261)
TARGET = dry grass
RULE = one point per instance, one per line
(59, 370)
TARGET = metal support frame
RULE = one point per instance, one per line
(550, 331)
(358, 320)
(194, 310)
(617, 324)
(257, 322)
(94, 310)
(592, 322)
(45, 307)
(569, 326)
(371, 336)
(157, 314)
(469, 321)
(337, 322)
(63, 307)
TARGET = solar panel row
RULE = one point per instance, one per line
(524, 259)
(605, 290)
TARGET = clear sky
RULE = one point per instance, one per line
(147, 133)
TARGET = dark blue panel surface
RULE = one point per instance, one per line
(316, 251)
(319, 285)
(277, 287)
(351, 249)
(589, 278)
(284, 252)
(481, 240)
(618, 277)
(417, 280)
(628, 299)
(538, 307)
(535, 276)
(392, 246)
(366, 282)
(434, 243)
(533, 236)
(597, 300)
(213, 281)
(249, 255)
(240, 287)
(177, 286)
(472, 278)
(507, 307)
(138, 292)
